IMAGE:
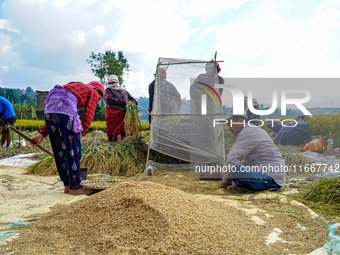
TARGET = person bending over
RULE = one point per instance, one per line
(65, 129)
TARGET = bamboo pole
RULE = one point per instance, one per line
(191, 62)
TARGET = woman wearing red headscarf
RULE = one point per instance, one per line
(65, 129)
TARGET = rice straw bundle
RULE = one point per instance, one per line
(324, 196)
(123, 158)
(131, 120)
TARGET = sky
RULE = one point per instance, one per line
(47, 42)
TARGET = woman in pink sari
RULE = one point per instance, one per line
(116, 99)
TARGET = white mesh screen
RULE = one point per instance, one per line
(178, 128)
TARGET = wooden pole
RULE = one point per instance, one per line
(29, 140)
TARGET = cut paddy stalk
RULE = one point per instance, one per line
(131, 120)
(323, 196)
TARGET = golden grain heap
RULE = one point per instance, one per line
(137, 218)
(149, 218)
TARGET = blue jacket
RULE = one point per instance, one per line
(6, 109)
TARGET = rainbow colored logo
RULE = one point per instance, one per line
(208, 92)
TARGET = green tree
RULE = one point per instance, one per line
(30, 92)
(143, 103)
(108, 63)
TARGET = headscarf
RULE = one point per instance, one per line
(218, 67)
(98, 85)
(113, 82)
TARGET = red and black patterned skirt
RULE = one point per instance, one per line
(114, 123)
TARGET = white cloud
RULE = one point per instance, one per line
(81, 38)
(135, 84)
(61, 3)
(209, 8)
(100, 30)
(209, 31)
(268, 44)
(155, 27)
(6, 25)
(5, 68)
(6, 49)
(326, 16)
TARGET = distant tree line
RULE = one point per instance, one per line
(19, 96)
(24, 102)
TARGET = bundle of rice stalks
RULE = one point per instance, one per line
(44, 166)
(323, 196)
(123, 158)
(131, 121)
(100, 135)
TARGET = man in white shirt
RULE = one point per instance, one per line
(254, 163)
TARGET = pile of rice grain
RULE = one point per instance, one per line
(142, 218)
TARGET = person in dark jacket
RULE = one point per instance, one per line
(209, 78)
(116, 99)
(8, 118)
(170, 97)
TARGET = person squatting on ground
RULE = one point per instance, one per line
(116, 99)
(8, 118)
(263, 167)
(65, 129)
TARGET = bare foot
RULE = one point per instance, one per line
(81, 191)
(235, 189)
(67, 189)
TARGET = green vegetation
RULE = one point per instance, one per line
(35, 125)
(143, 103)
(323, 196)
(103, 65)
(326, 125)
(19, 96)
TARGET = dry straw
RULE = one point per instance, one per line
(131, 120)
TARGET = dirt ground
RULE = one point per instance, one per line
(260, 223)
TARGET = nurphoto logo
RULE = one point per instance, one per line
(239, 104)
